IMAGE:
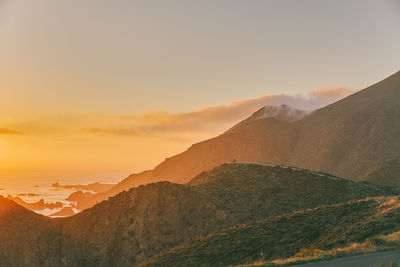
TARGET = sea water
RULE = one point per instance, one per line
(31, 187)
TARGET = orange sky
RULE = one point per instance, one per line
(116, 86)
(122, 143)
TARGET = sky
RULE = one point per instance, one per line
(108, 88)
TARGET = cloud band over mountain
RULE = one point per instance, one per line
(143, 139)
(212, 119)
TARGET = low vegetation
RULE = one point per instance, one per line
(265, 209)
(341, 229)
(374, 244)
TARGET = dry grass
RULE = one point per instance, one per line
(376, 244)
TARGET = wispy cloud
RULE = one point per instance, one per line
(331, 94)
(133, 142)
(110, 131)
(211, 119)
(4, 131)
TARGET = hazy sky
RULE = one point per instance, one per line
(96, 84)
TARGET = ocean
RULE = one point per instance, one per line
(31, 187)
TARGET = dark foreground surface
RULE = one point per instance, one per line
(367, 260)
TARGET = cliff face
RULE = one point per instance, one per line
(146, 220)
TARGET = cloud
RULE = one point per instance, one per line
(332, 94)
(110, 131)
(4, 131)
(214, 119)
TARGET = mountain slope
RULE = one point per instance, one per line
(386, 174)
(345, 138)
(350, 136)
(146, 220)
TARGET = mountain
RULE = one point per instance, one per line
(144, 221)
(245, 139)
(352, 135)
(355, 137)
(346, 138)
(386, 174)
(283, 236)
(282, 113)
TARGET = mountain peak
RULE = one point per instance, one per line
(282, 112)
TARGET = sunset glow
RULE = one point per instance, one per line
(100, 90)
(199, 133)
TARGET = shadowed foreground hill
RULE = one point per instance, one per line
(255, 191)
(282, 236)
(27, 238)
(144, 221)
(346, 138)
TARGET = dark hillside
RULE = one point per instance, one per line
(283, 236)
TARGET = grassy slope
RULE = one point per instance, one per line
(144, 221)
(251, 192)
(380, 243)
(282, 236)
